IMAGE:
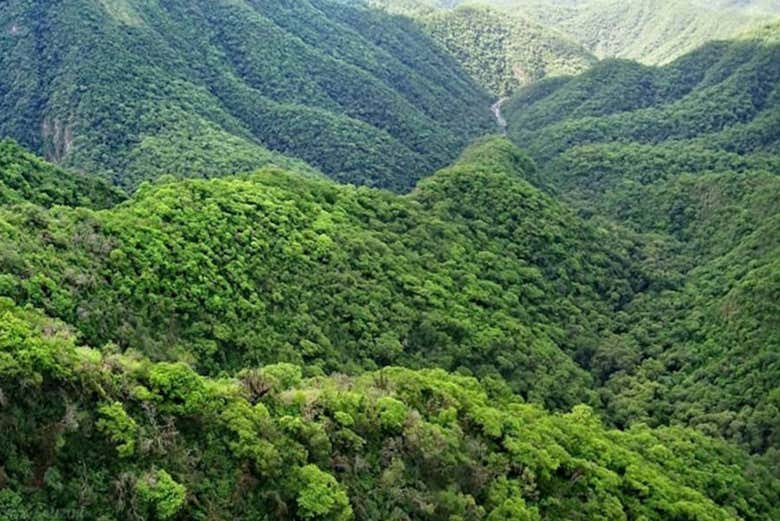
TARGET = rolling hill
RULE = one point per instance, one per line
(473, 270)
(723, 97)
(649, 31)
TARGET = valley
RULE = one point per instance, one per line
(332, 260)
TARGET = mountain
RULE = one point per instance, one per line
(269, 281)
(688, 153)
(577, 319)
(474, 270)
(130, 89)
(722, 97)
(649, 31)
(754, 6)
(502, 53)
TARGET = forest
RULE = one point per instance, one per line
(187, 337)
(131, 90)
(277, 261)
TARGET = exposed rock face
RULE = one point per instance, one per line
(57, 137)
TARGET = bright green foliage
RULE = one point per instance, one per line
(179, 385)
(119, 427)
(281, 376)
(513, 509)
(321, 497)
(392, 413)
(159, 492)
(134, 89)
(441, 465)
(474, 271)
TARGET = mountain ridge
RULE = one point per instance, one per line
(171, 89)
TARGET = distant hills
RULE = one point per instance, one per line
(501, 52)
(649, 31)
(722, 96)
(131, 90)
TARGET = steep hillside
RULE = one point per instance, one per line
(501, 52)
(132, 89)
(687, 152)
(119, 437)
(504, 53)
(753, 6)
(724, 96)
(649, 31)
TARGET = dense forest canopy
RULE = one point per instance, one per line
(474, 270)
(577, 319)
(500, 52)
(172, 276)
(131, 90)
(119, 437)
(690, 153)
(649, 31)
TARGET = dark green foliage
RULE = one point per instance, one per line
(708, 97)
(686, 154)
(132, 89)
(322, 448)
(26, 178)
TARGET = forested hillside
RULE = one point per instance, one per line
(753, 6)
(722, 97)
(131, 89)
(500, 52)
(649, 31)
(690, 152)
(26, 178)
(475, 271)
(577, 320)
(100, 435)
